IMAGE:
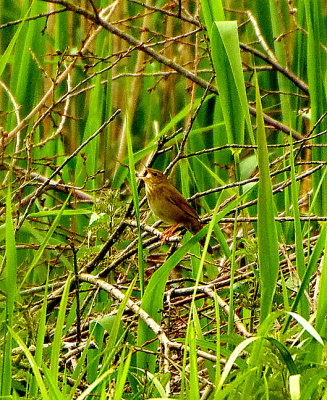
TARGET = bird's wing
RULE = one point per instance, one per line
(178, 200)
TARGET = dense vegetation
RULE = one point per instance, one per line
(229, 100)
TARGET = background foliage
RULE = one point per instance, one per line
(229, 99)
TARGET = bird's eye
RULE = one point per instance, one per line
(155, 173)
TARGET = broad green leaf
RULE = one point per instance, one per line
(212, 11)
(227, 62)
(222, 34)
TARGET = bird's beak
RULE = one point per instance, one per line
(141, 175)
(138, 177)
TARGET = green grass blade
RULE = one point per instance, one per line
(284, 84)
(136, 205)
(33, 364)
(114, 329)
(300, 261)
(54, 390)
(54, 213)
(122, 372)
(152, 303)
(257, 354)
(93, 385)
(320, 325)
(218, 341)
(41, 331)
(306, 325)
(267, 233)
(232, 275)
(199, 338)
(93, 119)
(80, 369)
(295, 390)
(8, 284)
(285, 356)
(313, 262)
(56, 345)
(227, 62)
(236, 353)
(194, 380)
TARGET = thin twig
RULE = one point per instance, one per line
(19, 21)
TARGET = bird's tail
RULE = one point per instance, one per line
(194, 226)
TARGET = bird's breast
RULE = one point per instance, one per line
(162, 210)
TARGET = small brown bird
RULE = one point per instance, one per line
(167, 203)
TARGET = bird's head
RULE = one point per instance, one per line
(154, 177)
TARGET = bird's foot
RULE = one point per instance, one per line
(168, 233)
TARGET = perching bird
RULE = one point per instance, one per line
(167, 203)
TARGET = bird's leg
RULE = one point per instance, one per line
(168, 233)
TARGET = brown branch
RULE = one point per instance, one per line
(51, 185)
(19, 21)
(292, 77)
(151, 323)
